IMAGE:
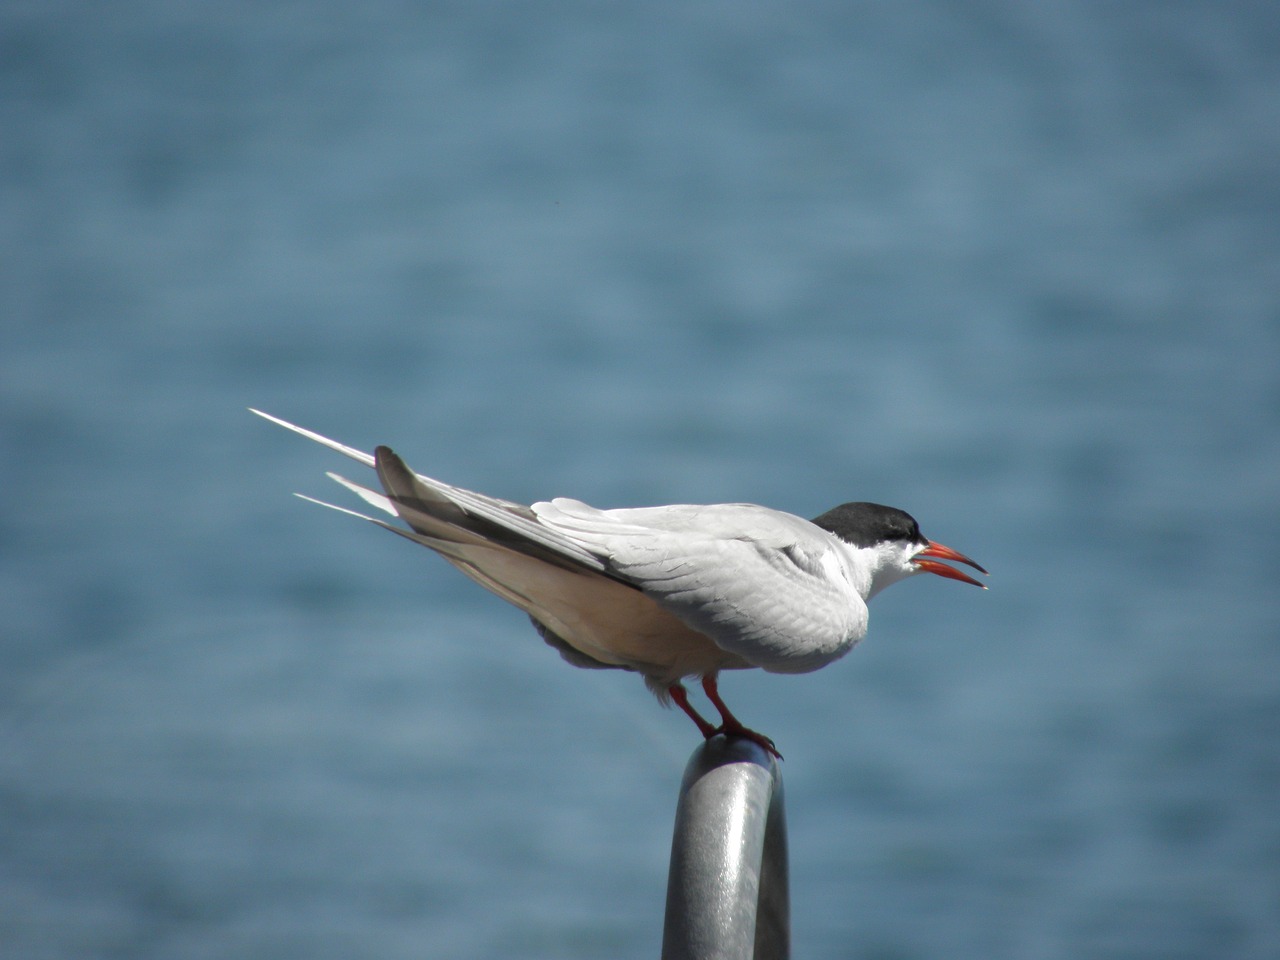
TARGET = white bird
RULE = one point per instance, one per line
(668, 592)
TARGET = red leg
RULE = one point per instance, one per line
(730, 725)
(681, 697)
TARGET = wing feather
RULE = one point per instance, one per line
(764, 585)
(438, 509)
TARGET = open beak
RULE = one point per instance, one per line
(941, 569)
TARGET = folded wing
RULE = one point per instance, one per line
(764, 585)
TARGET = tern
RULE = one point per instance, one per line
(669, 592)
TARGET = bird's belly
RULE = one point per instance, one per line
(631, 630)
(600, 617)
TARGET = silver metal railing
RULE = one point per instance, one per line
(727, 896)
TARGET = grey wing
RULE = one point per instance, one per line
(438, 509)
(762, 584)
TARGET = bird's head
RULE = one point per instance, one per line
(891, 546)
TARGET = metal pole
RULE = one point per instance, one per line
(727, 896)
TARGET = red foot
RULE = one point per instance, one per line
(730, 725)
(738, 730)
(681, 698)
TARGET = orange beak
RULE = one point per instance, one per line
(941, 569)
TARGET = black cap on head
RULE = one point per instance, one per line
(866, 524)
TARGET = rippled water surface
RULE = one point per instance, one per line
(1014, 268)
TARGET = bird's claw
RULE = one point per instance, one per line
(746, 733)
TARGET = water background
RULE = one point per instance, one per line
(1012, 267)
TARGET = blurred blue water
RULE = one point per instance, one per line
(1011, 267)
